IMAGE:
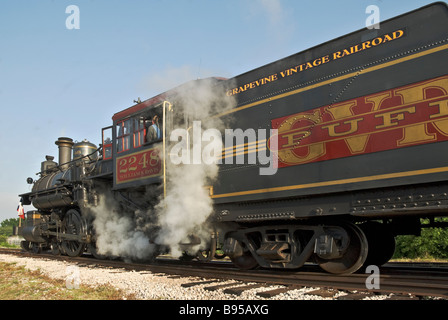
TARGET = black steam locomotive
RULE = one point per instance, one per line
(326, 156)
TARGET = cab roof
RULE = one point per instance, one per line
(153, 101)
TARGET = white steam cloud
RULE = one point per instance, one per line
(167, 222)
(187, 205)
(121, 233)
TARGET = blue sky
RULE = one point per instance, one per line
(58, 82)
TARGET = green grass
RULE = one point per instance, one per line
(428, 259)
(18, 283)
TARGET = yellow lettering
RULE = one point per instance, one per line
(366, 45)
(392, 118)
(415, 134)
(418, 92)
(441, 125)
(387, 38)
(443, 108)
(377, 41)
(376, 100)
(317, 62)
(341, 111)
(295, 138)
(312, 152)
(353, 128)
(356, 48)
(337, 55)
(397, 34)
(308, 65)
(356, 144)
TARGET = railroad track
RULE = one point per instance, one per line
(405, 282)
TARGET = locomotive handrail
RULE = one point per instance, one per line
(71, 162)
(97, 158)
(170, 106)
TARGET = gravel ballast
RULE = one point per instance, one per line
(145, 285)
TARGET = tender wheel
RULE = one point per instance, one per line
(73, 224)
(238, 252)
(246, 261)
(353, 255)
(381, 243)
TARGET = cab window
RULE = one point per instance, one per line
(139, 131)
(123, 135)
(107, 143)
(154, 129)
(147, 128)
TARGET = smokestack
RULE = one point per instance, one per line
(65, 151)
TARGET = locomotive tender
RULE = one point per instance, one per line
(357, 126)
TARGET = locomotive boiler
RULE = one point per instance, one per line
(326, 156)
(60, 186)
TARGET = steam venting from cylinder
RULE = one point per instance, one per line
(65, 151)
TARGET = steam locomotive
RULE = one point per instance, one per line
(326, 156)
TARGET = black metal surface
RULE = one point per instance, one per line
(400, 62)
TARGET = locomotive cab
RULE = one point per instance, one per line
(138, 144)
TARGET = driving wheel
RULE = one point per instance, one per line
(73, 224)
